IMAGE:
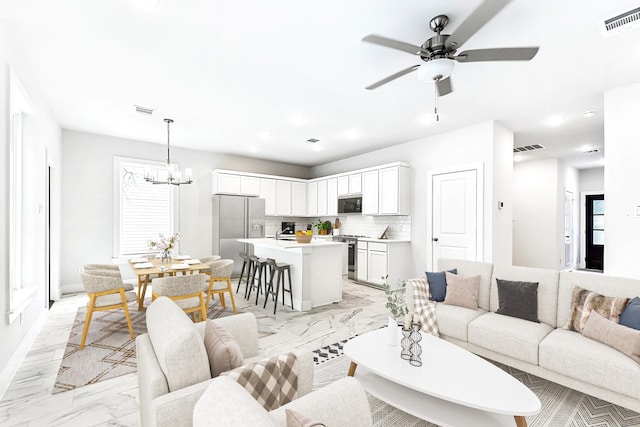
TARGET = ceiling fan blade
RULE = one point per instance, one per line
(394, 44)
(444, 86)
(483, 14)
(499, 54)
(392, 77)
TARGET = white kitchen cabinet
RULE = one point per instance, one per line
(355, 183)
(268, 193)
(283, 197)
(370, 192)
(298, 198)
(234, 184)
(394, 191)
(322, 197)
(343, 185)
(332, 196)
(379, 259)
(312, 198)
(362, 266)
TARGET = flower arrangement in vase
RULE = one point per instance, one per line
(396, 304)
(165, 245)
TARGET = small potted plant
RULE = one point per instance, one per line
(397, 306)
(321, 226)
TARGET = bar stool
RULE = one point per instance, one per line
(247, 265)
(259, 269)
(280, 268)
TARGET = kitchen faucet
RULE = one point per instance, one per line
(278, 232)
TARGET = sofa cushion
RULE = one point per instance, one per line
(223, 351)
(179, 348)
(605, 285)
(573, 355)
(472, 268)
(510, 336)
(547, 288)
(583, 302)
(438, 284)
(273, 382)
(453, 321)
(518, 299)
(630, 316)
(462, 291)
(622, 338)
(296, 419)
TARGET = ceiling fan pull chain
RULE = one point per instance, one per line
(435, 109)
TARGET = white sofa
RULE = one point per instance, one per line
(173, 366)
(544, 349)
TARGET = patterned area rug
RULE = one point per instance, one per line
(109, 350)
(561, 406)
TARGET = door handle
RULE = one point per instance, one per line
(435, 239)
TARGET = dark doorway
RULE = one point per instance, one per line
(594, 226)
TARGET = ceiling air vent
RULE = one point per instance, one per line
(528, 148)
(143, 110)
(312, 140)
(591, 150)
(621, 23)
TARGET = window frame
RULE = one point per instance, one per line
(118, 161)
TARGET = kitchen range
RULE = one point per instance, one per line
(352, 242)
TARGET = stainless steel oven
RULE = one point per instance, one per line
(352, 242)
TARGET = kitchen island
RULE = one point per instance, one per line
(316, 269)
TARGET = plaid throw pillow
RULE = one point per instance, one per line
(423, 306)
(273, 382)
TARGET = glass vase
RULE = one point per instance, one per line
(165, 256)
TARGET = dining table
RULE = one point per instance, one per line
(147, 268)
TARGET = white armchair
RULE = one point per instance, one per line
(173, 366)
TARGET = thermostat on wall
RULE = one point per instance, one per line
(637, 212)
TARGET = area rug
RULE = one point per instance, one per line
(109, 350)
(561, 406)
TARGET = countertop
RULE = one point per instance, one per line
(370, 239)
(288, 244)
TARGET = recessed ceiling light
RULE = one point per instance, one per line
(265, 135)
(298, 119)
(145, 4)
(588, 114)
(253, 149)
(556, 120)
(353, 134)
(518, 157)
(588, 149)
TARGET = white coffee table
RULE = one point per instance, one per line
(453, 387)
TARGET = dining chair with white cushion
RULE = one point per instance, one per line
(106, 291)
(186, 291)
(220, 282)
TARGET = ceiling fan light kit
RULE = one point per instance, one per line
(435, 70)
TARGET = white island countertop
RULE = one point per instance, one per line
(288, 244)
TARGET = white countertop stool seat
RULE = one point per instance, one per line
(280, 268)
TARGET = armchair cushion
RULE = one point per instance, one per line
(223, 351)
(181, 354)
(296, 419)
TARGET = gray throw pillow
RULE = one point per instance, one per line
(626, 340)
(223, 351)
(518, 299)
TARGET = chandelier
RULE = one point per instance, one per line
(174, 175)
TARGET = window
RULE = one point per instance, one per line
(142, 210)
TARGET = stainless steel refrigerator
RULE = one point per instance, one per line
(236, 217)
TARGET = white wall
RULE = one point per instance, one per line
(591, 179)
(621, 178)
(87, 195)
(41, 138)
(470, 145)
(568, 180)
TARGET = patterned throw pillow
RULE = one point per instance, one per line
(273, 382)
(424, 307)
(462, 291)
(583, 301)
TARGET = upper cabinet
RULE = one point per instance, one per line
(332, 196)
(350, 184)
(312, 198)
(226, 183)
(268, 193)
(298, 198)
(283, 197)
(394, 191)
(322, 197)
(370, 192)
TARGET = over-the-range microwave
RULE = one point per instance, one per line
(350, 205)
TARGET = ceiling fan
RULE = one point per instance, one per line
(440, 51)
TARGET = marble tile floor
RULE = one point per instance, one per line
(28, 400)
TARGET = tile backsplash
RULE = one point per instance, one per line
(362, 225)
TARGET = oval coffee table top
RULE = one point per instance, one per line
(448, 372)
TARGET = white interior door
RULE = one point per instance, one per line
(454, 216)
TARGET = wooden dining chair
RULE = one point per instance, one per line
(185, 291)
(106, 291)
(220, 271)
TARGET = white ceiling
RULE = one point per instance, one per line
(227, 71)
